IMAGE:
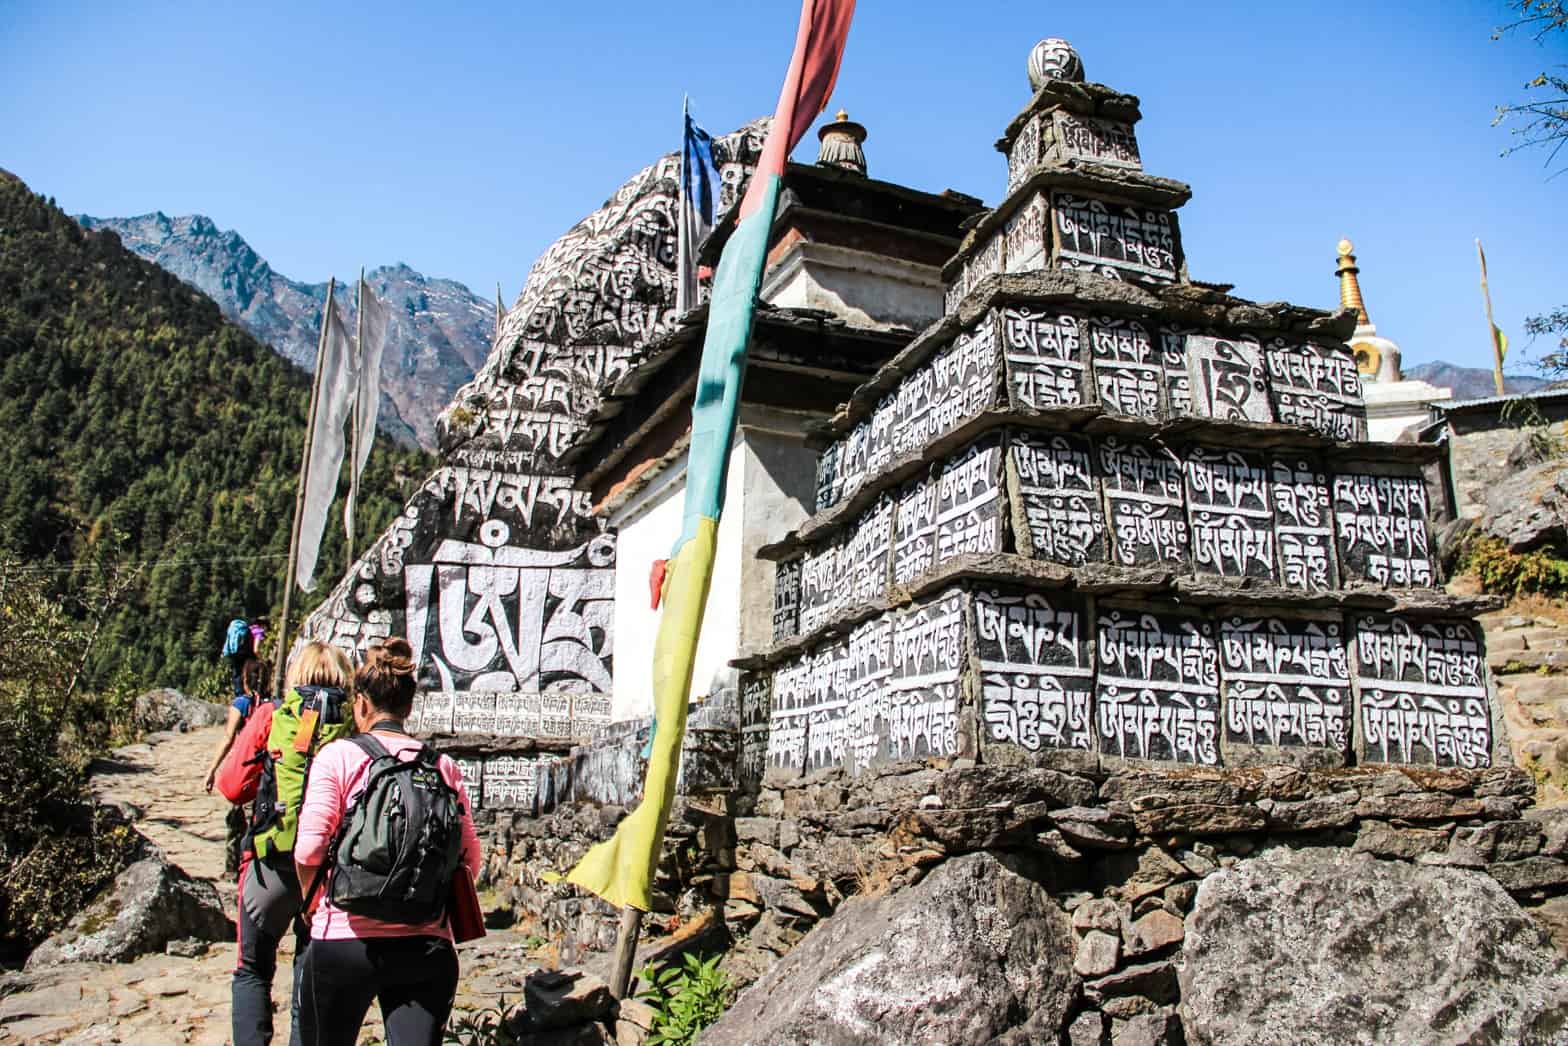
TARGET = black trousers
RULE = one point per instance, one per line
(268, 902)
(415, 979)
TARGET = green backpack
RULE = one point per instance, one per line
(285, 768)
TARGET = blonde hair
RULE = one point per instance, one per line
(320, 664)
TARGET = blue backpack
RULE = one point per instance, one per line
(237, 639)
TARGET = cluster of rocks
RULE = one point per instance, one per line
(799, 879)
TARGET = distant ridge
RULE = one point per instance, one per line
(441, 334)
(1471, 383)
(142, 426)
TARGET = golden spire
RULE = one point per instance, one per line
(1349, 285)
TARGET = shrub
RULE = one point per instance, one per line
(685, 999)
(1513, 573)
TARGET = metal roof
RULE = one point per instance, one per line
(1449, 407)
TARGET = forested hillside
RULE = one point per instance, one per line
(139, 427)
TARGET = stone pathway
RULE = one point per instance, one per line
(161, 999)
(1527, 648)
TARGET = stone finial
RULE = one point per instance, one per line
(1054, 59)
(841, 142)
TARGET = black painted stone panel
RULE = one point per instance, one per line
(1422, 691)
(1286, 682)
(1145, 501)
(1036, 677)
(1380, 523)
(1058, 493)
(1157, 687)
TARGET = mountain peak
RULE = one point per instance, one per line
(435, 343)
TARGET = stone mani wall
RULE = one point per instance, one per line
(1008, 675)
(1028, 358)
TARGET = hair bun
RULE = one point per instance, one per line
(393, 655)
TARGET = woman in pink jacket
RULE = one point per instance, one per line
(354, 959)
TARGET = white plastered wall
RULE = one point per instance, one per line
(767, 494)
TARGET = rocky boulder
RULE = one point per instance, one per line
(1527, 508)
(167, 709)
(976, 952)
(1331, 946)
(149, 905)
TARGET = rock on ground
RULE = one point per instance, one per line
(149, 905)
(166, 709)
(1327, 946)
(974, 952)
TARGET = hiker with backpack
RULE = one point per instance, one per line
(384, 836)
(257, 683)
(238, 647)
(269, 765)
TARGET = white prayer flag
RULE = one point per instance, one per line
(335, 400)
(373, 323)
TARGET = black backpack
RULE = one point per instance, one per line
(400, 841)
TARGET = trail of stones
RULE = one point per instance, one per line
(1528, 652)
(162, 999)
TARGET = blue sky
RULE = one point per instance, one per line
(462, 138)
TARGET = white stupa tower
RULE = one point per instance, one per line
(1394, 403)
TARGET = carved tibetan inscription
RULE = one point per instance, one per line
(888, 692)
(914, 520)
(963, 383)
(1045, 357)
(828, 483)
(928, 660)
(1058, 514)
(969, 500)
(489, 615)
(1127, 370)
(789, 715)
(1074, 136)
(1157, 688)
(1228, 378)
(1231, 514)
(756, 710)
(1380, 523)
(1024, 152)
(1287, 682)
(868, 667)
(1178, 378)
(1144, 500)
(786, 599)
(1423, 691)
(1303, 524)
(1026, 236)
(1114, 238)
(863, 555)
(516, 714)
(509, 783)
(1035, 676)
(1316, 387)
(821, 593)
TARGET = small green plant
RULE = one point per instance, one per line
(685, 999)
(485, 1027)
(1512, 573)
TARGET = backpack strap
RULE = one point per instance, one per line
(367, 743)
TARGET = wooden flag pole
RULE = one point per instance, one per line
(353, 417)
(625, 952)
(1491, 328)
(281, 658)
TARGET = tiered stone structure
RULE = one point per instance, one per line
(1102, 514)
